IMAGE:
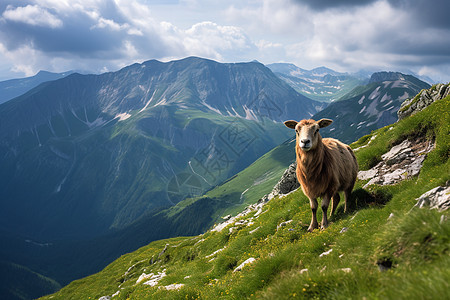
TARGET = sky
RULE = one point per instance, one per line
(106, 35)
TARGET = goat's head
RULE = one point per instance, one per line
(307, 132)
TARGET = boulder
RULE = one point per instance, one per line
(288, 181)
(438, 198)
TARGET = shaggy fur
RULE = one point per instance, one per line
(325, 167)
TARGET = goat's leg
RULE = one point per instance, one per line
(314, 224)
(325, 203)
(334, 203)
(347, 197)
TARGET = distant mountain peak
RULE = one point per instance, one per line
(386, 76)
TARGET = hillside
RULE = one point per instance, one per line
(91, 161)
(369, 107)
(384, 242)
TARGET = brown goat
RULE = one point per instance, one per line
(325, 167)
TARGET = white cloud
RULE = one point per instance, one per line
(25, 58)
(32, 15)
(97, 34)
(275, 18)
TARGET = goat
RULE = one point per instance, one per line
(325, 167)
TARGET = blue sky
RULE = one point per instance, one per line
(105, 35)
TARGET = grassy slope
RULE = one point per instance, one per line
(415, 241)
(248, 186)
(19, 282)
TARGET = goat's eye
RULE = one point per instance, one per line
(317, 130)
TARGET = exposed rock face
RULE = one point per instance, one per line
(423, 99)
(288, 181)
(438, 198)
(401, 162)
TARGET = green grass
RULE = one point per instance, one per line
(414, 242)
(248, 186)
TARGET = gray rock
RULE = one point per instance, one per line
(241, 266)
(438, 198)
(227, 217)
(288, 181)
(423, 99)
(399, 163)
(283, 224)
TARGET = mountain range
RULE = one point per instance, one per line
(12, 88)
(94, 166)
(321, 84)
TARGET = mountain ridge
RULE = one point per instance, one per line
(267, 253)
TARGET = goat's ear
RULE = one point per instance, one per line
(324, 122)
(291, 124)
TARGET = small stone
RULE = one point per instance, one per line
(115, 294)
(344, 229)
(241, 266)
(346, 270)
(254, 230)
(173, 286)
(326, 253)
(227, 217)
(303, 271)
(282, 224)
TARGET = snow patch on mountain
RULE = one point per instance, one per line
(360, 101)
(122, 116)
(375, 93)
(212, 108)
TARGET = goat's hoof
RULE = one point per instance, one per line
(312, 227)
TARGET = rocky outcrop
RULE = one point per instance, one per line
(288, 181)
(438, 198)
(401, 162)
(423, 99)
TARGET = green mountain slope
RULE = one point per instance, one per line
(381, 248)
(19, 282)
